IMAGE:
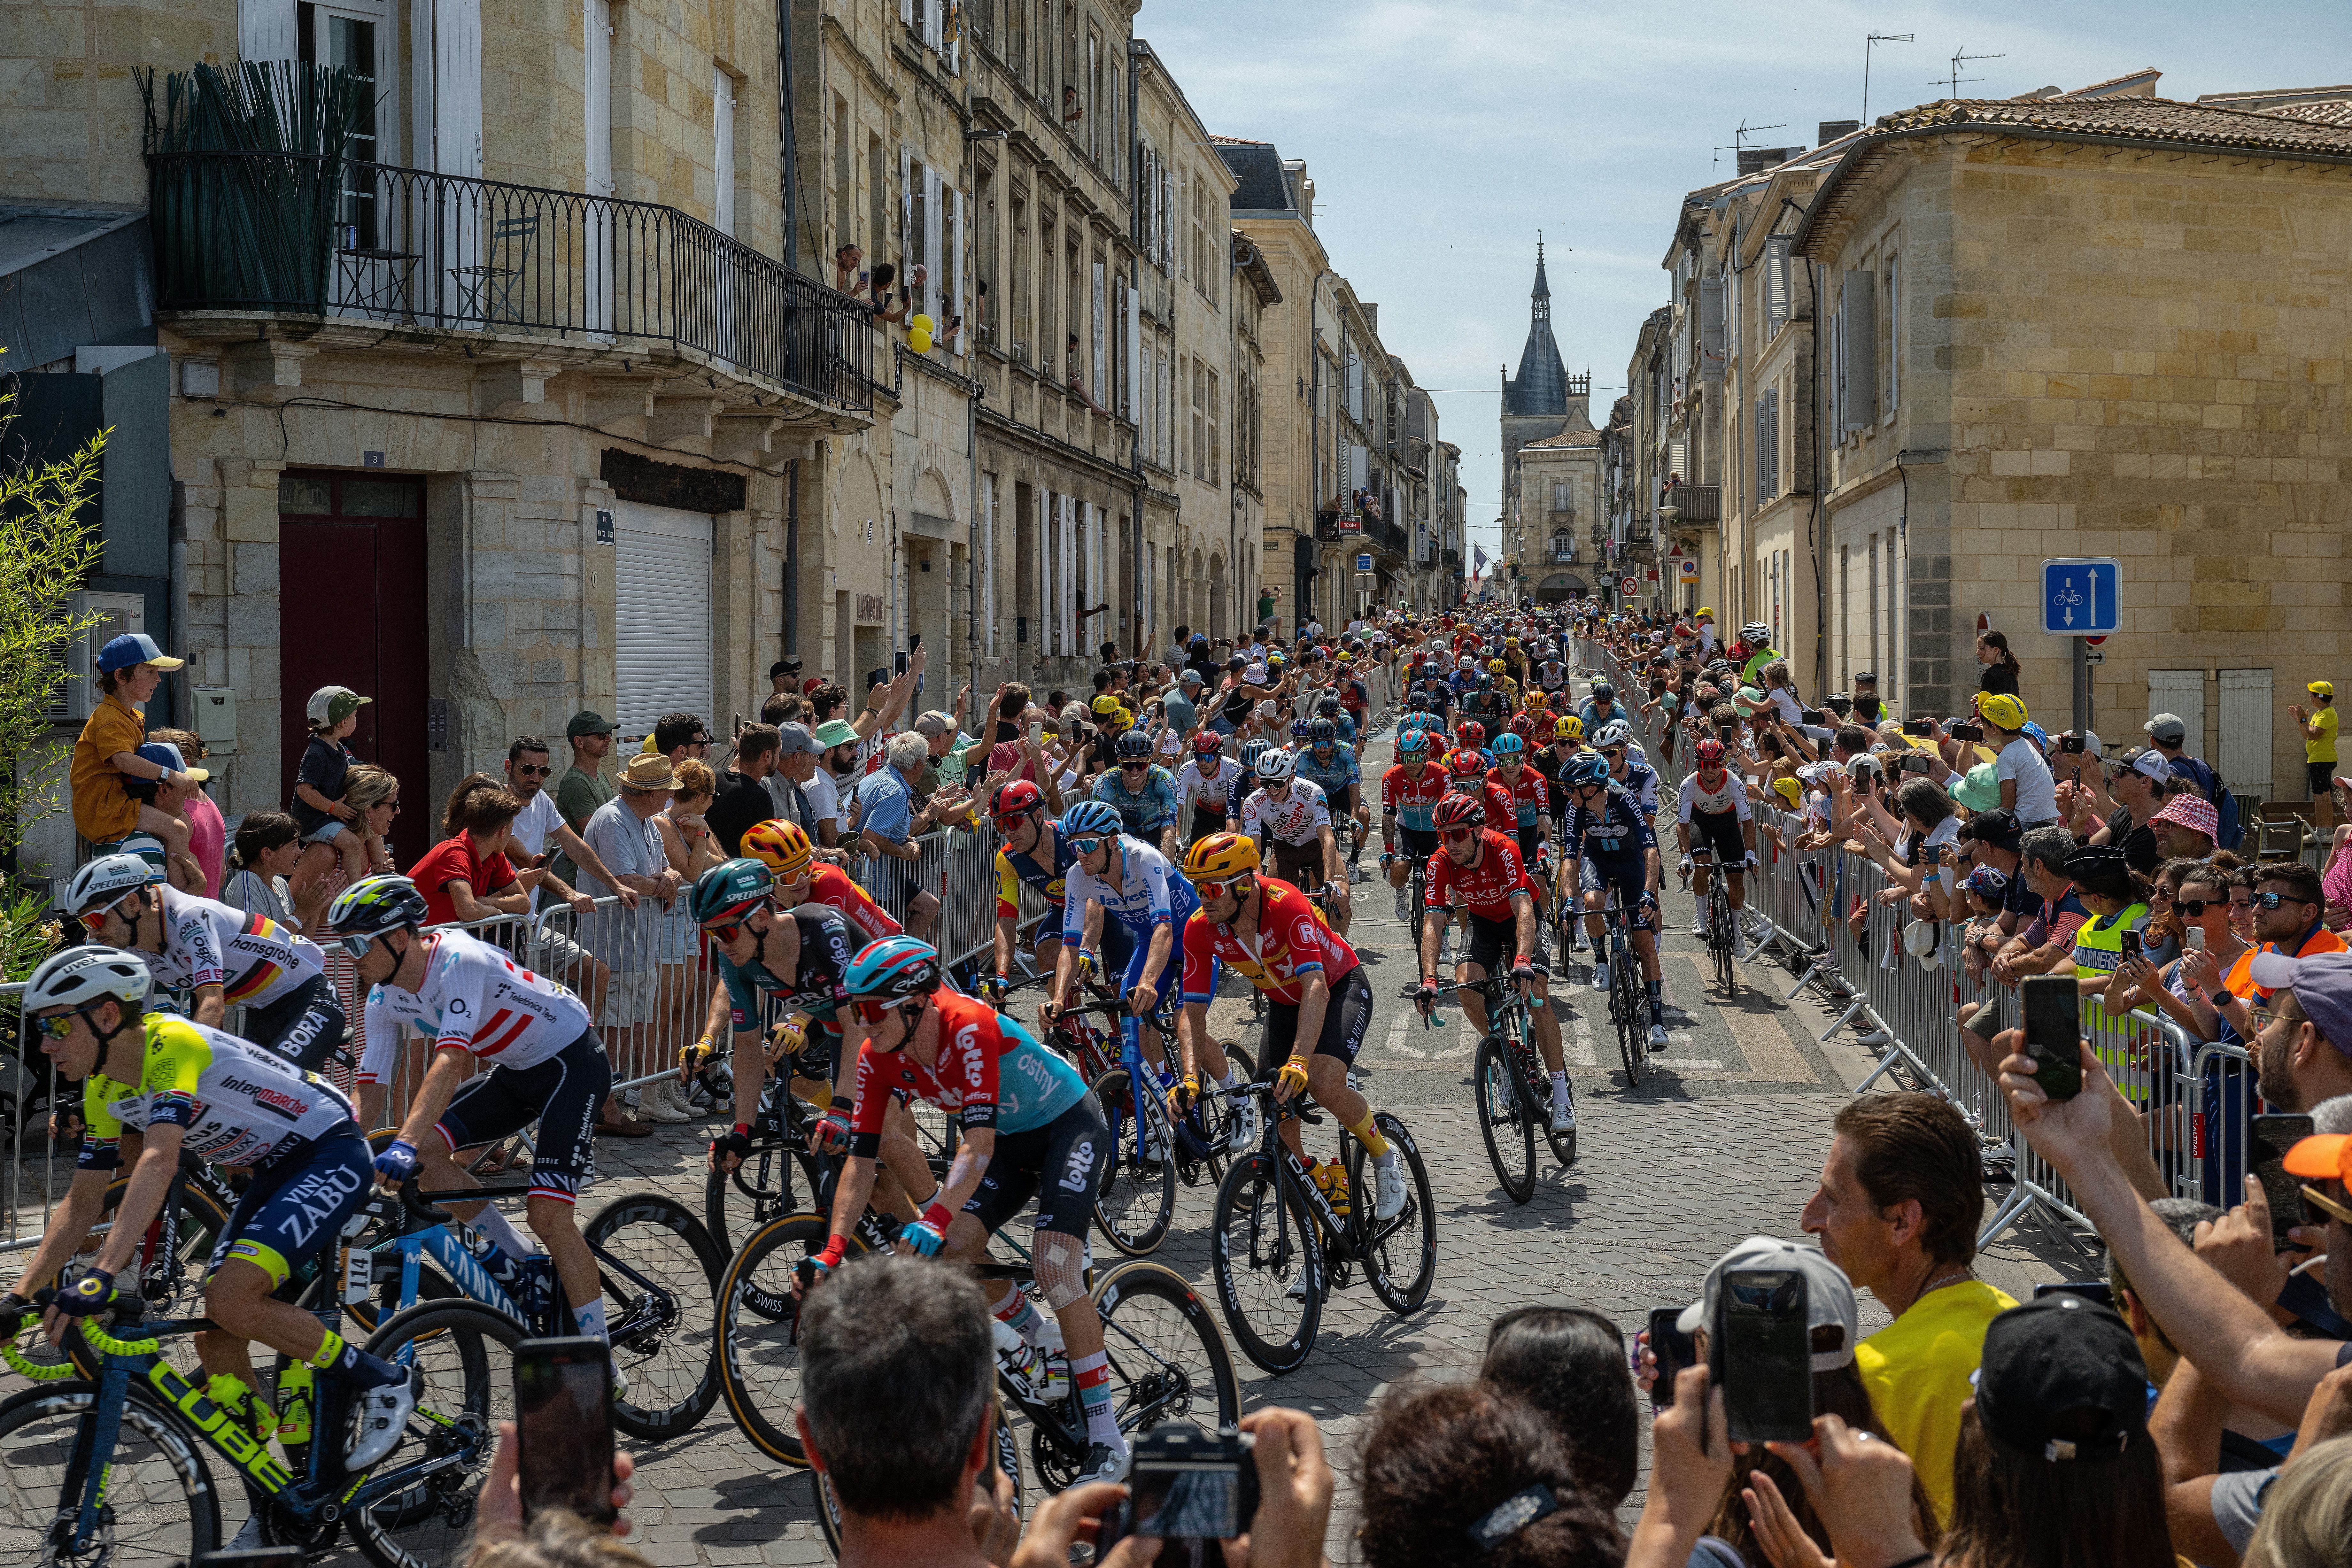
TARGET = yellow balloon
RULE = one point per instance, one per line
(919, 341)
(922, 323)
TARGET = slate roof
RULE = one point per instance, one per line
(1258, 167)
(1566, 438)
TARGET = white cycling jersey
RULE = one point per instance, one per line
(474, 998)
(1291, 821)
(1150, 893)
(1192, 788)
(1729, 794)
(253, 959)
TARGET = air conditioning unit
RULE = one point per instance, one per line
(119, 614)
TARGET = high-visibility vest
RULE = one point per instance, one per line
(2098, 950)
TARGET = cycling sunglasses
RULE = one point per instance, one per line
(1005, 824)
(1460, 834)
(1086, 846)
(94, 921)
(1613, 753)
(2317, 1205)
(1135, 765)
(2273, 900)
(61, 1026)
(1217, 887)
(725, 935)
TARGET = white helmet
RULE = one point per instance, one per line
(104, 880)
(82, 976)
(1276, 766)
(1616, 732)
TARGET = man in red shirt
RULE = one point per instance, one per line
(465, 876)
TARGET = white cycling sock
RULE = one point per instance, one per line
(1560, 1088)
(592, 1319)
(1232, 1078)
(502, 1231)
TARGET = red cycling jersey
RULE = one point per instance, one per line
(1486, 887)
(1293, 941)
(833, 886)
(1410, 799)
(1530, 791)
(990, 1072)
(1501, 810)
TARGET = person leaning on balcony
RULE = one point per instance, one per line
(844, 270)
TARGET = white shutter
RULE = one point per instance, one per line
(1134, 355)
(1710, 329)
(1775, 283)
(266, 30)
(2246, 721)
(962, 264)
(1770, 459)
(722, 152)
(661, 642)
(1858, 338)
(2180, 693)
(1100, 341)
(932, 297)
(903, 251)
(596, 88)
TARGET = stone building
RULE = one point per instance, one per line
(1254, 293)
(1556, 526)
(1544, 404)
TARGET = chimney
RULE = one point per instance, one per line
(1834, 128)
(1756, 160)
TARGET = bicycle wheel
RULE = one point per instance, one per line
(1168, 1357)
(660, 1273)
(1267, 1262)
(1503, 1121)
(465, 1351)
(1212, 1120)
(160, 1503)
(1725, 944)
(1624, 1003)
(1399, 1254)
(736, 1203)
(760, 1333)
(1137, 1196)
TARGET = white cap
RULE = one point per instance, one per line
(1829, 1294)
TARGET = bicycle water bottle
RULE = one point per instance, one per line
(512, 1274)
(294, 1398)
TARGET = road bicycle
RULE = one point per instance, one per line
(1416, 889)
(1514, 1089)
(1278, 1249)
(1628, 1004)
(1722, 934)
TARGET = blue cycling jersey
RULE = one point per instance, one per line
(1146, 813)
(1334, 775)
(1615, 830)
(1149, 893)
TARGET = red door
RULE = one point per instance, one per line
(352, 611)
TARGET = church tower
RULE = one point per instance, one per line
(1543, 402)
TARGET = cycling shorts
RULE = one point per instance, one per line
(1063, 1164)
(304, 1025)
(1531, 842)
(298, 1206)
(1494, 944)
(1719, 830)
(1624, 880)
(1138, 953)
(561, 1094)
(1342, 801)
(1420, 843)
(1345, 1017)
(1300, 864)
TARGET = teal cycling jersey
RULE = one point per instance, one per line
(1335, 775)
(1146, 814)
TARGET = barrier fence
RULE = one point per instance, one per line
(1835, 920)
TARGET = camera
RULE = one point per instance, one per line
(1184, 1485)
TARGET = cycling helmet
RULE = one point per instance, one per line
(1465, 763)
(1017, 797)
(1536, 701)
(1207, 743)
(1220, 858)
(1486, 681)
(894, 967)
(80, 977)
(1322, 732)
(1495, 667)
(1616, 732)
(1132, 743)
(1411, 743)
(1584, 768)
(783, 847)
(730, 890)
(1091, 819)
(1300, 728)
(1472, 734)
(1458, 811)
(1277, 767)
(1708, 755)
(374, 905)
(1507, 744)
(1755, 631)
(1602, 692)
(1569, 727)
(1510, 641)
(1328, 706)
(104, 881)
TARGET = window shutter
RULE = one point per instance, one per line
(1775, 283)
(1132, 309)
(1710, 328)
(1771, 455)
(1858, 336)
(907, 12)
(1758, 423)
(955, 305)
(934, 290)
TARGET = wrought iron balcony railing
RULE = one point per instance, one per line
(328, 237)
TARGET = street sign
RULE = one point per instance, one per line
(2078, 597)
(1364, 562)
(1629, 586)
(2092, 656)
(1687, 569)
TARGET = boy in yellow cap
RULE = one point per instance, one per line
(2318, 725)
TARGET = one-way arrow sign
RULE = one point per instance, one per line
(2079, 597)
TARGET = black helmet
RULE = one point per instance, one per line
(1131, 744)
(1322, 732)
(1329, 707)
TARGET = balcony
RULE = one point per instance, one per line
(1699, 503)
(1563, 555)
(304, 235)
(1638, 532)
(1386, 536)
(1452, 560)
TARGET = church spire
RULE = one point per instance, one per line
(1542, 385)
(1542, 294)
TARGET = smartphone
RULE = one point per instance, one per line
(1943, 854)
(898, 664)
(1914, 763)
(2071, 744)
(563, 1426)
(1762, 1353)
(1187, 1487)
(1812, 716)
(1677, 1352)
(914, 642)
(2088, 1289)
(2053, 1033)
(1965, 732)
(2266, 1149)
(1918, 726)
(2131, 944)
(1036, 729)
(2195, 939)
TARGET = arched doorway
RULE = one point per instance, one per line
(1216, 596)
(1560, 586)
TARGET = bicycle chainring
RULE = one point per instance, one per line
(1057, 1464)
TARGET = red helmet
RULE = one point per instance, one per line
(1208, 743)
(1459, 811)
(1017, 798)
(1708, 755)
(1465, 763)
(1472, 734)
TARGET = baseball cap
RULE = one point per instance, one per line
(165, 754)
(794, 740)
(783, 667)
(2325, 1157)
(2036, 733)
(333, 704)
(1978, 791)
(1998, 708)
(1829, 1294)
(1106, 703)
(1866, 678)
(1998, 827)
(2061, 1378)
(135, 648)
(2148, 764)
(1988, 882)
(587, 722)
(2195, 814)
(836, 732)
(1190, 676)
(934, 724)
(2167, 726)
(2322, 984)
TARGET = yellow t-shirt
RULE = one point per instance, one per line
(102, 809)
(2323, 749)
(1918, 1370)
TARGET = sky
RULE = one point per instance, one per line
(1442, 135)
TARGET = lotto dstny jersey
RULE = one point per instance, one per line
(477, 999)
(236, 1103)
(1618, 828)
(1293, 940)
(1729, 794)
(989, 1072)
(1332, 777)
(1013, 870)
(1148, 892)
(1146, 815)
(836, 888)
(826, 945)
(1293, 820)
(1411, 800)
(252, 958)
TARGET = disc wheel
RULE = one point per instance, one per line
(160, 1503)
(1267, 1263)
(1137, 1196)
(1399, 1254)
(1503, 1121)
(659, 1272)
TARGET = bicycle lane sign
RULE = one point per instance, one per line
(2078, 596)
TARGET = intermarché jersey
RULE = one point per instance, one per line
(816, 987)
(477, 999)
(252, 958)
(1412, 800)
(1293, 819)
(1618, 828)
(1149, 894)
(1488, 887)
(1294, 941)
(990, 1072)
(237, 1104)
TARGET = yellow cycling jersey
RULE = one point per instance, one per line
(238, 1104)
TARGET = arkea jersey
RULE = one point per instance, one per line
(827, 944)
(237, 1104)
(1149, 892)
(1530, 797)
(1293, 941)
(1292, 820)
(1331, 777)
(1502, 812)
(477, 999)
(1146, 815)
(1731, 794)
(1486, 887)
(836, 888)
(1412, 800)
(990, 1072)
(252, 958)
(1618, 828)
(1013, 869)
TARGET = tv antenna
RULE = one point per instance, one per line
(1955, 78)
(1739, 142)
(1869, 48)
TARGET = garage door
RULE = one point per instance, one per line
(662, 641)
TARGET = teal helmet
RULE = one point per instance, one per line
(730, 891)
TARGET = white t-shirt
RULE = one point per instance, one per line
(2037, 792)
(823, 796)
(538, 822)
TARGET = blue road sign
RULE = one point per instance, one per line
(2078, 597)
(1364, 562)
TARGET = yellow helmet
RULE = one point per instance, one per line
(1569, 728)
(1221, 857)
(1495, 667)
(782, 847)
(1535, 702)
(1510, 641)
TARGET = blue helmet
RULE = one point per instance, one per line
(1251, 750)
(1584, 768)
(1412, 742)
(894, 967)
(1091, 819)
(1506, 745)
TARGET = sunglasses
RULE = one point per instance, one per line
(725, 935)
(2273, 900)
(355, 947)
(1215, 888)
(2193, 907)
(1460, 834)
(2315, 1204)
(94, 921)
(1135, 767)
(60, 1026)
(871, 1011)
(1085, 846)
(1005, 824)
(525, 770)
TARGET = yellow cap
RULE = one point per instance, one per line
(2000, 707)
(2322, 689)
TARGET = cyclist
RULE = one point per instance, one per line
(783, 847)
(1715, 802)
(1318, 1003)
(1552, 675)
(1141, 791)
(1027, 1125)
(1409, 791)
(1293, 815)
(548, 1066)
(225, 956)
(1498, 897)
(1435, 693)
(1034, 852)
(1614, 741)
(1486, 702)
(1600, 708)
(1531, 801)
(1606, 825)
(1328, 764)
(1202, 786)
(1753, 651)
(1471, 773)
(1343, 722)
(1124, 903)
(156, 1086)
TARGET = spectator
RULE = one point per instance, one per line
(1181, 705)
(888, 822)
(784, 675)
(2001, 667)
(2307, 1520)
(944, 741)
(330, 828)
(837, 772)
(553, 949)
(1569, 1362)
(2303, 1055)
(207, 830)
(2187, 828)
(553, 1538)
(1900, 1203)
(1467, 1476)
(169, 794)
(786, 783)
(465, 877)
(2137, 782)
(2041, 944)
(680, 736)
(790, 707)
(584, 789)
(844, 270)
(105, 754)
(2169, 735)
(2116, 897)
(375, 795)
(2200, 903)
(743, 800)
(1179, 645)
(2317, 723)
(691, 848)
(2026, 785)
(266, 846)
(623, 836)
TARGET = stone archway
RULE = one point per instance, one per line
(1196, 590)
(1560, 586)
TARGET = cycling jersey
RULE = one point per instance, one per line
(990, 1072)
(1501, 810)
(836, 888)
(1412, 800)
(1729, 794)
(477, 999)
(1293, 941)
(1149, 894)
(1595, 716)
(1616, 828)
(1013, 868)
(253, 959)
(1352, 699)
(236, 1104)
(1490, 708)
(827, 944)
(1199, 793)
(1293, 819)
(1485, 888)
(1335, 777)
(1146, 815)
(1642, 784)
(1553, 677)
(1529, 797)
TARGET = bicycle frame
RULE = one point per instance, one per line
(440, 1241)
